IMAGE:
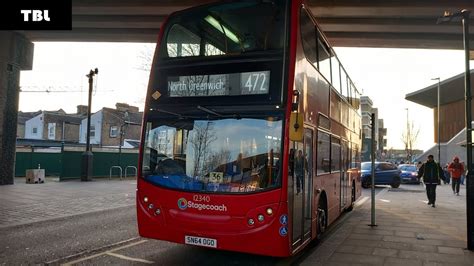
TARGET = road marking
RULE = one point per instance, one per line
(103, 253)
(130, 258)
(361, 201)
(92, 251)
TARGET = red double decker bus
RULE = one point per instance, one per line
(251, 134)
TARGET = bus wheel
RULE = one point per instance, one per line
(322, 221)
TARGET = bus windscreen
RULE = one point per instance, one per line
(224, 155)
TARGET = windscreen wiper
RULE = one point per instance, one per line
(180, 116)
(167, 112)
(209, 111)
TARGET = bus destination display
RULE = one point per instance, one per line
(231, 84)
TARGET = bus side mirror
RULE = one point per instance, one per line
(296, 127)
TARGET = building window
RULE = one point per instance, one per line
(92, 131)
(113, 131)
(34, 130)
(51, 130)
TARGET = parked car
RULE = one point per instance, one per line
(385, 174)
(409, 174)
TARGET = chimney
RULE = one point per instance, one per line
(122, 107)
(133, 109)
(82, 109)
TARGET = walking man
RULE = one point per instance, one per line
(431, 173)
(300, 167)
(457, 170)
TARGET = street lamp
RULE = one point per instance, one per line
(125, 123)
(407, 144)
(463, 16)
(437, 118)
(87, 156)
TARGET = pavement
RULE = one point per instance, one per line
(407, 231)
(23, 203)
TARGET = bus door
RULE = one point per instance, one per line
(301, 193)
(344, 174)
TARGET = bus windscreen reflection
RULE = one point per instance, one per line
(205, 159)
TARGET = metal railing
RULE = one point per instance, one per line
(115, 167)
(132, 167)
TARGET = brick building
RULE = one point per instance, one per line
(111, 127)
(54, 125)
(22, 118)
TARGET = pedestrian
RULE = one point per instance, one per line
(418, 165)
(457, 170)
(431, 173)
(301, 164)
(447, 175)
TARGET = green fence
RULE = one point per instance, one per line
(66, 163)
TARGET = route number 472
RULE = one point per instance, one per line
(256, 83)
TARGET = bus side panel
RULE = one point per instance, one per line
(229, 228)
(332, 188)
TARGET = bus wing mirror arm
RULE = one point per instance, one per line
(296, 118)
(296, 101)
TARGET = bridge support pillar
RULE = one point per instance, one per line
(16, 53)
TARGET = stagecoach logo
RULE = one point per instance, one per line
(183, 204)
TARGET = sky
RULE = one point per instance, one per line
(385, 75)
(62, 68)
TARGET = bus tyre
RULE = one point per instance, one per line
(322, 221)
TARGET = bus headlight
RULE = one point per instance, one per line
(145, 199)
(269, 211)
(251, 221)
(151, 206)
(260, 218)
(158, 211)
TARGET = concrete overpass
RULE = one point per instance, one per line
(362, 23)
(350, 23)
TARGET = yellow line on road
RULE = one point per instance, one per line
(129, 258)
(103, 253)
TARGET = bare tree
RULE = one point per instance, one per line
(219, 159)
(409, 138)
(201, 140)
(145, 57)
